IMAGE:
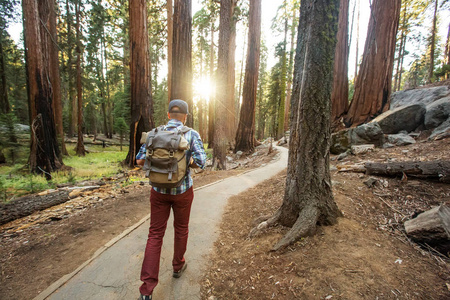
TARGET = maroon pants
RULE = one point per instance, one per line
(160, 205)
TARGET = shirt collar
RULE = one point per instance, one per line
(174, 123)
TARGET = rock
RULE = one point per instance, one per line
(424, 96)
(256, 154)
(371, 182)
(437, 112)
(370, 133)
(239, 154)
(342, 156)
(388, 145)
(229, 159)
(364, 134)
(400, 139)
(362, 149)
(441, 132)
(431, 227)
(402, 118)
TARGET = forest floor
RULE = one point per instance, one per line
(365, 256)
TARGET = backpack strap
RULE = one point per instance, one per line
(185, 129)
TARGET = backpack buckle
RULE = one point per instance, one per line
(150, 152)
(171, 153)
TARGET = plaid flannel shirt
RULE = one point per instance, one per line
(196, 151)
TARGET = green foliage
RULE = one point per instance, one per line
(8, 136)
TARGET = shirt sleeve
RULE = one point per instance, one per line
(198, 152)
(142, 152)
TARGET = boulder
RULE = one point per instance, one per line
(364, 134)
(431, 227)
(441, 132)
(400, 139)
(362, 149)
(437, 112)
(402, 118)
(424, 96)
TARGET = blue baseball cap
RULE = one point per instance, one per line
(182, 106)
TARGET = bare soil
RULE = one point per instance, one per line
(37, 250)
(365, 256)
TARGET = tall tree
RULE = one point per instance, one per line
(181, 84)
(80, 151)
(339, 95)
(245, 135)
(308, 199)
(6, 14)
(221, 141)
(55, 77)
(374, 82)
(433, 43)
(169, 46)
(44, 153)
(141, 92)
(447, 52)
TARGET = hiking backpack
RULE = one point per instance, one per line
(165, 160)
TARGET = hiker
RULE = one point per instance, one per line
(163, 199)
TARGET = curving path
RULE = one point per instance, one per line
(113, 272)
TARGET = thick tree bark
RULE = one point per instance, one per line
(181, 86)
(55, 77)
(44, 153)
(308, 199)
(222, 87)
(211, 104)
(230, 111)
(169, 46)
(245, 135)
(339, 95)
(374, 82)
(433, 44)
(141, 93)
(80, 151)
(439, 169)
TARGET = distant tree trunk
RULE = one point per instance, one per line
(308, 199)
(400, 49)
(283, 81)
(169, 46)
(339, 95)
(447, 51)
(71, 94)
(80, 151)
(200, 102)
(373, 86)
(230, 111)
(222, 87)
(433, 43)
(245, 135)
(44, 150)
(141, 92)
(56, 79)
(211, 106)
(181, 86)
(4, 102)
(402, 57)
(289, 79)
(357, 41)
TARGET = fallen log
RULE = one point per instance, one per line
(439, 169)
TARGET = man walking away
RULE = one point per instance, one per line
(162, 200)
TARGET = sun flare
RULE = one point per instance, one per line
(203, 89)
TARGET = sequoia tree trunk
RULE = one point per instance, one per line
(245, 135)
(80, 151)
(222, 88)
(308, 199)
(211, 104)
(141, 91)
(181, 86)
(339, 95)
(374, 82)
(44, 150)
(55, 77)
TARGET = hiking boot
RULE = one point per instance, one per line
(177, 274)
(142, 297)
